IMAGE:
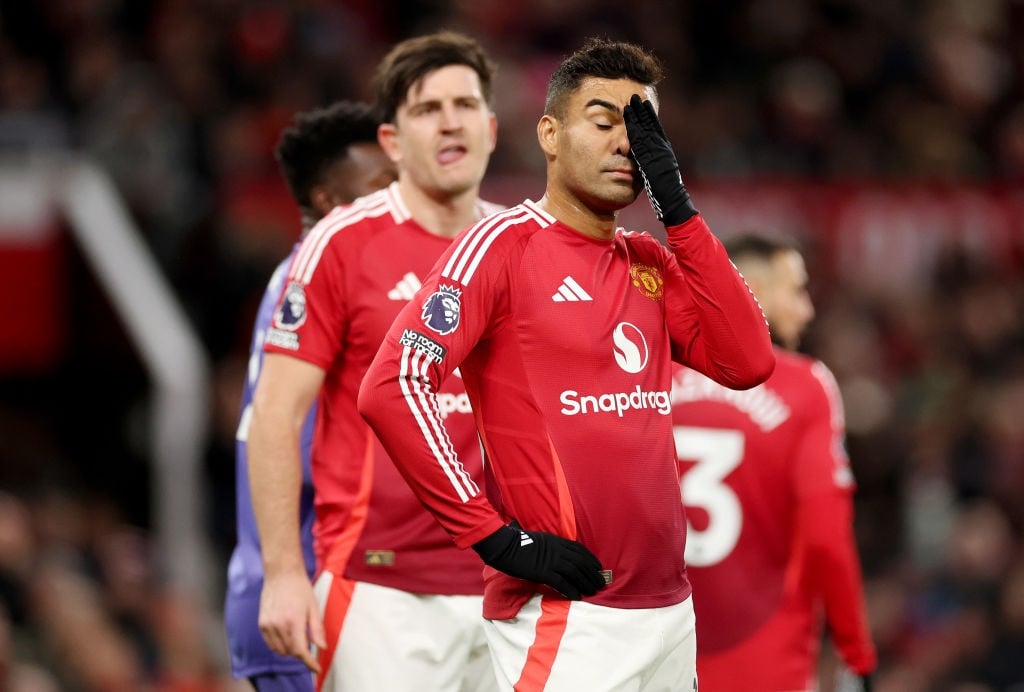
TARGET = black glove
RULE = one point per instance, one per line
(654, 157)
(542, 557)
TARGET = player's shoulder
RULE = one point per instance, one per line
(509, 227)
(809, 375)
(493, 239)
(792, 366)
(364, 214)
(525, 217)
(343, 229)
(802, 364)
(793, 361)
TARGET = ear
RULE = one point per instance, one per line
(323, 200)
(547, 135)
(387, 137)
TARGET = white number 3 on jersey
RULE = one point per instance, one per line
(717, 453)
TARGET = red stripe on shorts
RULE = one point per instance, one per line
(340, 595)
(338, 600)
(554, 614)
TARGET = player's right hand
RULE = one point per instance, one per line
(290, 617)
(563, 564)
(657, 163)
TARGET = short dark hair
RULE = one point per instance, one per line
(757, 246)
(604, 59)
(412, 59)
(319, 138)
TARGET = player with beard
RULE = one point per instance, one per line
(564, 328)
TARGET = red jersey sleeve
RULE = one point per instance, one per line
(461, 301)
(311, 312)
(825, 523)
(716, 325)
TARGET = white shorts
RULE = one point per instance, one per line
(385, 639)
(554, 644)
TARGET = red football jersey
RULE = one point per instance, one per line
(767, 488)
(355, 270)
(565, 345)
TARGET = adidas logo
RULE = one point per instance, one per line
(524, 539)
(570, 292)
(406, 287)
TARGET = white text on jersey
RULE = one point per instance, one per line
(763, 406)
(575, 403)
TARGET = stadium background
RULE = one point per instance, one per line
(887, 136)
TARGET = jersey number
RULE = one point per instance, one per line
(717, 453)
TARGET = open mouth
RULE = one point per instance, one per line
(451, 154)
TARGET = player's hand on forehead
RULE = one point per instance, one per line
(654, 157)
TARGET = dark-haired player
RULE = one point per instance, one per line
(328, 157)
(768, 489)
(564, 328)
(395, 606)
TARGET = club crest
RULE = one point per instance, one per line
(291, 313)
(441, 310)
(647, 280)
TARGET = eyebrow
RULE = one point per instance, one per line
(603, 104)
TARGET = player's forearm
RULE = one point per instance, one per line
(842, 589)
(402, 412)
(735, 345)
(275, 478)
(833, 572)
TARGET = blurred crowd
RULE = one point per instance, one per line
(181, 101)
(81, 608)
(933, 384)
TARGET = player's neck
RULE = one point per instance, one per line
(445, 216)
(576, 215)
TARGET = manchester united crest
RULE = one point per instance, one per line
(647, 280)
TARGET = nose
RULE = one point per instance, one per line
(622, 141)
(450, 119)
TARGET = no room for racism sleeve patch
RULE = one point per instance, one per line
(423, 344)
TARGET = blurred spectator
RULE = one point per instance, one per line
(129, 122)
(17, 675)
(29, 120)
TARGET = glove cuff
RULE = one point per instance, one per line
(681, 211)
(496, 544)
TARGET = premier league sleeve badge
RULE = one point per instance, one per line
(291, 313)
(441, 310)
